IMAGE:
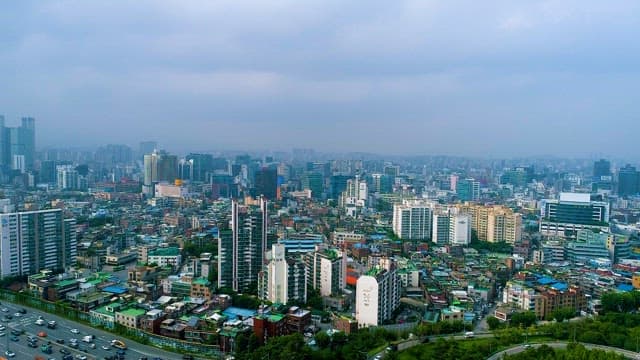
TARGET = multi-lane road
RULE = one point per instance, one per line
(27, 323)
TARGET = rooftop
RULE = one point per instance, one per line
(132, 312)
(169, 251)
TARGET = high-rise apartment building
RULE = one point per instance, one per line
(449, 227)
(18, 144)
(572, 212)
(326, 270)
(36, 240)
(241, 247)
(494, 223)
(377, 295)
(412, 220)
(283, 278)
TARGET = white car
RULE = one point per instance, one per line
(5, 310)
(17, 314)
(105, 348)
(2, 334)
(2, 328)
(10, 353)
(75, 331)
(81, 357)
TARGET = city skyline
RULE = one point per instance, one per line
(401, 78)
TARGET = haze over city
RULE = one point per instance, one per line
(493, 78)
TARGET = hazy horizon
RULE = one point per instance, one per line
(488, 79)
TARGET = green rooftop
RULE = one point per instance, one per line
(169, 251)
(201, 281)
(64, 283)
(132, 312)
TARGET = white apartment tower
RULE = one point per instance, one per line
(412, 220)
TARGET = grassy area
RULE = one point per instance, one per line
(380, 348)
(467, 349)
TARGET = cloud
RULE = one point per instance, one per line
(459, 73)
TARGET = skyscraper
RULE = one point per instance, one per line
(159, 166)
(468, 189)
(628, 181)
(601, 167)
(36, 240)
(241, 248)
(377, 295)
(18, 144)
(267, 183)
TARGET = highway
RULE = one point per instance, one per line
(27, 322)
(561, 345)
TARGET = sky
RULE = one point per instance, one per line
(483, 78)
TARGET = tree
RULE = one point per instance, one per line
(493, 323)
(523, 319)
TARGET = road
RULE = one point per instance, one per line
(562, 345)
(63, 331)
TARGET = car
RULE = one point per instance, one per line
(5, 310)
(64, 351)
(81, 357)
(17, 314)
(22, 311)
(15, 332)
(2, 328)
(60, 341)
(10, 353)
(14, 338)
(105, 348)
(75, 331)
(526, 346)
(2, 334)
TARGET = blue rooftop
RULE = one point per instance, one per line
(559, 286)
(115, 290)
(545, 280)
(233, 312)
(625, 287)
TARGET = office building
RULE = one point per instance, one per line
(601, 167)
(200, 165)
(377, 295)
(313, 181)
(159, 166)
(36, 240)
(300, 243)
(572, 212)
(326, 270)
(284, 277)
(266, 183)
(381, 183)
(628, 181)
(18, 144)
(241, 247)
(468, 189)
(338, 185)
(412, 220)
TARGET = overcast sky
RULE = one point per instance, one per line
(493, 78)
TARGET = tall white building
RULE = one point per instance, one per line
(326, 270)
(412, 220)
(451, 227)
(36, 240)
(377, 296)
(283, 278)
